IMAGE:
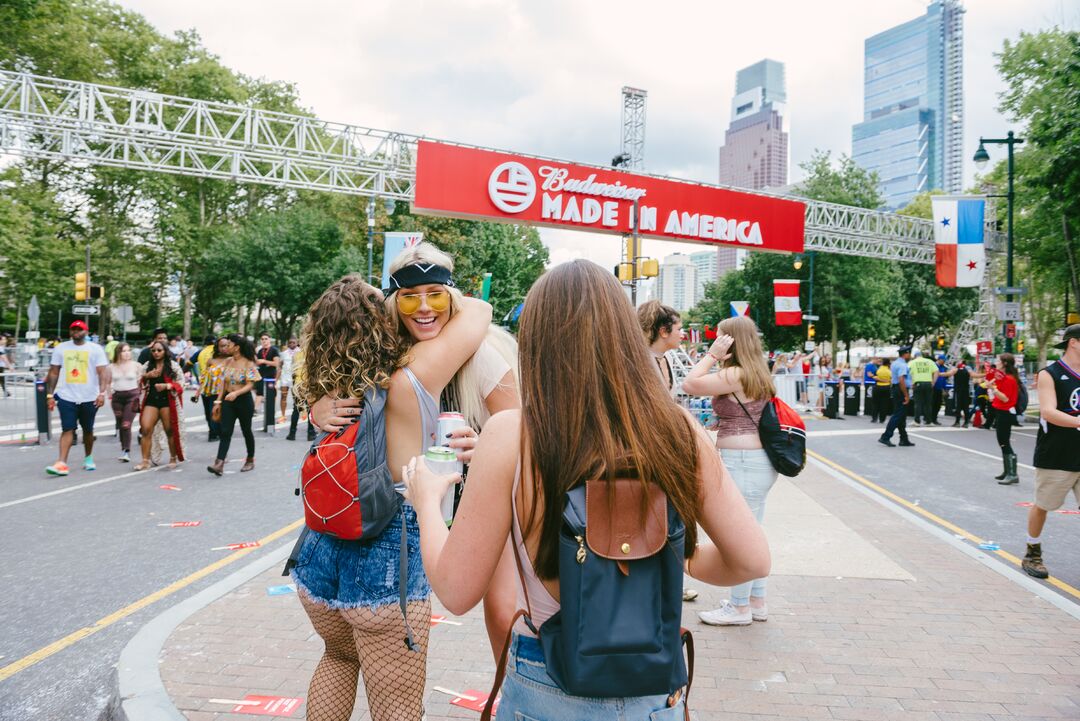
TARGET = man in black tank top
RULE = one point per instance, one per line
(1057, 460)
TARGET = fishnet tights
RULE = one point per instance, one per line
(371, 641)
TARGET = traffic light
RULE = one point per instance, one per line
(810, 331)
(648, 267)
(625, 271)
(82, 286)
(97, 291)
(941, 342)
(1020, 346)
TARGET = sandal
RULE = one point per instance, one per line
(172, 463)
(143, 466)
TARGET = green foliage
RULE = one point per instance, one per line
(221, 248)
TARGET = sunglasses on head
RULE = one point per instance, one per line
(409, 303)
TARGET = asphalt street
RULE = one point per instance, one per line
(950, 473)
(74, 559)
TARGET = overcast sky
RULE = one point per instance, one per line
(545, 77)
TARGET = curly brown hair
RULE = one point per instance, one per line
(350, 343)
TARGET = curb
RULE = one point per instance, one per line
(1019, 578)
(141, 694)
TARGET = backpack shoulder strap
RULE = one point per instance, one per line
(736, 397)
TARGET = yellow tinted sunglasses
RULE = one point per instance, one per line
(409, 303)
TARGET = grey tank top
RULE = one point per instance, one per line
(429, 412)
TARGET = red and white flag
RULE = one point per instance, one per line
(787, 302)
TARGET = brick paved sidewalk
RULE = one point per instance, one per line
(955, 641)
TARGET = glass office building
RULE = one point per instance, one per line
(912, 129)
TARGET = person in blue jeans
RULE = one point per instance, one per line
(590, 409)
(740, 391)
(350, 589)
(901, 397)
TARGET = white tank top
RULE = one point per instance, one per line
(544, 606)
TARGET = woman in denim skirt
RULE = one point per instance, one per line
(350, 589)
(592, 405)
(740, 391)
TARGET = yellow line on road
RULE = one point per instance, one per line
(55, 647)
(1075, 592)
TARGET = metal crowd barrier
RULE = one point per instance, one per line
(20, 415)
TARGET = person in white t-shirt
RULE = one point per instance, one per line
(285, 380)
(76, 385)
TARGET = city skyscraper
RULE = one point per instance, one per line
(912, 132)
(755, 150)
(706, 265)
(677, 282)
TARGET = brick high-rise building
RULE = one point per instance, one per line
(755, 150)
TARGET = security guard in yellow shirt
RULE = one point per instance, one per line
(923, 374)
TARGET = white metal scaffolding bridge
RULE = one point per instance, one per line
(51, 118)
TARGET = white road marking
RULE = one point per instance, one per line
(78, 487)
(969, 450)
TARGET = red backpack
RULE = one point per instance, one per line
(783, 436)
(345, 483)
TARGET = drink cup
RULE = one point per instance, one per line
(447, 423)
(442, 460)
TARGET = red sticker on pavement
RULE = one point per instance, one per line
(436, 620)
(268, 705)
(236, 546)
(167, 487)
(1068, 512)
(473, 700)
(181, 524)
(1024, 504)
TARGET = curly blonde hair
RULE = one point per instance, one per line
(350, 343)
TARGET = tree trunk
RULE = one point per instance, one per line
(241, 315)
(185, 302)
(258, 318)
(18, 320)
(835, 331)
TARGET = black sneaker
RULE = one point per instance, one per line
(906, 444)
(291, 437)
(1033, 563)
(886, 442)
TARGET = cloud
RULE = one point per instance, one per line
(545, 77)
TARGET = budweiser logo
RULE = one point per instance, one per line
(558, 179)
(511, 187)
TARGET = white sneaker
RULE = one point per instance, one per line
(689, 594)
(760, 614)
(726, 615)
(125, 457)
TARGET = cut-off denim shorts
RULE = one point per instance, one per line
(361, 574)
(529, 694)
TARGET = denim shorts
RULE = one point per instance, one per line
(76, 414)
(529, 694)
(361, 574)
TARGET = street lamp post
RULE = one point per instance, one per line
(981, 158)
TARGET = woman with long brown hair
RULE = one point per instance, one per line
(740, 391)
(123, 394)
(592, 409)
(350, 589)
(662, 326)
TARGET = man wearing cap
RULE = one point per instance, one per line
(77, 373)
(901, 396)
(1057, 458)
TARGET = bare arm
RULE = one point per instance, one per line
(482, 524)
(699, 382)
(436, 361)
(737, 550)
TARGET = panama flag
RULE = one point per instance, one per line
(958, 238)
(786, 293)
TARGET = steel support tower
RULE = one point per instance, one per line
(633, 128)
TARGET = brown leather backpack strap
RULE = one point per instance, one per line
(500, 670)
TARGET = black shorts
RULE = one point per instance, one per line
(259, 387)
(157, 400)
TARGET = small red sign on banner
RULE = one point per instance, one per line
(459, 181)
(268, 705)
(984, 347)
(474, 700)
(167, 487)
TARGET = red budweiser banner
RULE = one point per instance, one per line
(468, 182)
